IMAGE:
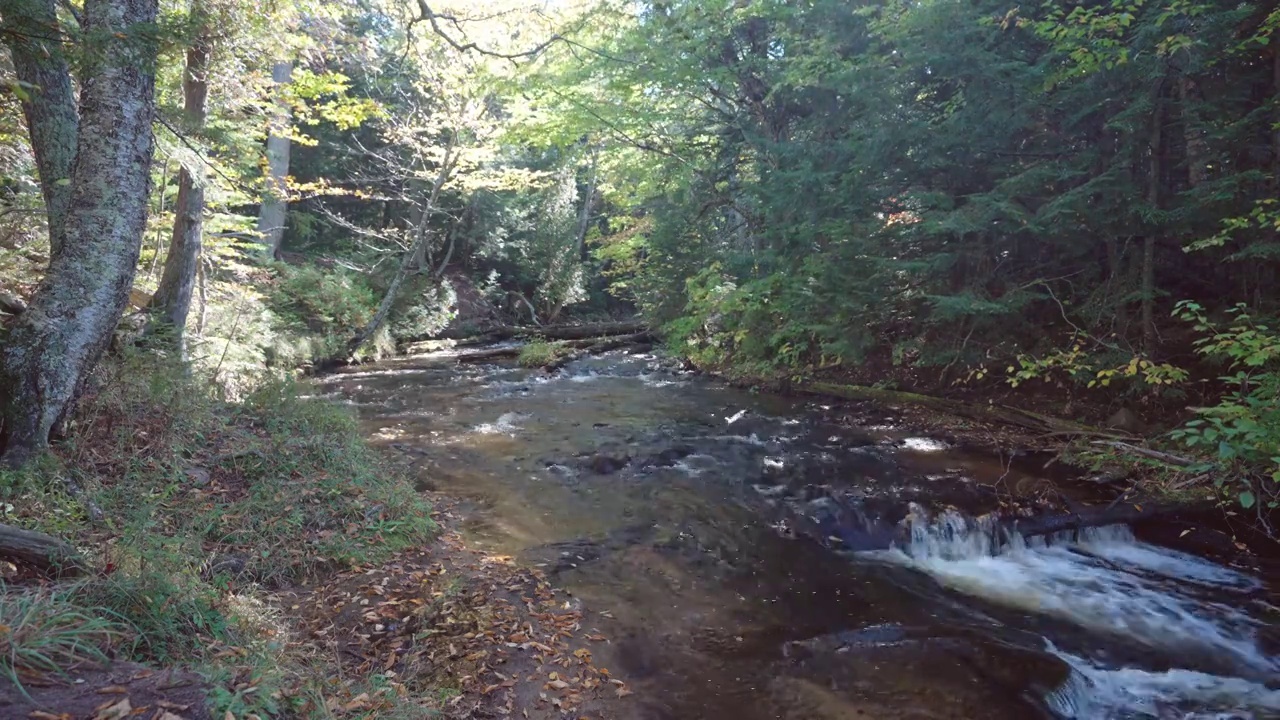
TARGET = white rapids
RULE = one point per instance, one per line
(1184, 609)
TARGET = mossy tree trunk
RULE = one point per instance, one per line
(55, 344)
(172, 300)
(31, 30)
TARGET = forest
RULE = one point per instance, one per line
(1066, 209)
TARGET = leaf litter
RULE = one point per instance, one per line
(463, 633)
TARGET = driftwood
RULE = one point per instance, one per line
(581, 348)
(580, 332)
(43, 552)
(1164, 457)
(597, 346)
(1122, 513)
(976, 411)
(548, 332)
(489, 353)
(855, 534)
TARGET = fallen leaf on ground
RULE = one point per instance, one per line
(113, 690)
(358, 702)
(42, 715)
(117, 710)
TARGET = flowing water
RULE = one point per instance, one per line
(754, 556)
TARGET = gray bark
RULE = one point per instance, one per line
(32, 32)
(172, 301)
(275, 208)
(56, 343)
(584, 214)
(43, 552)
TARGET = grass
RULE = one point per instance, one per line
(540, 352)
(207, 508)
(41, 633)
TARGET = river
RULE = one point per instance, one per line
(732, 544)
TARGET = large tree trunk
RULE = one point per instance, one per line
(30, 28)
(275, 207)
(172, 300)
(55, 344)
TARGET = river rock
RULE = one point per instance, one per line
(606, 464)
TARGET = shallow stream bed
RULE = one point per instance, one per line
(708, 532)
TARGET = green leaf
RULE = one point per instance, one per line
(1226, 451)
(1247, 500)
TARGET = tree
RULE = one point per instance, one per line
(51, 350)
(275, 202)
(172, 300)
(34, 35)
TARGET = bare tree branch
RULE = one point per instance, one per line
(434, 19)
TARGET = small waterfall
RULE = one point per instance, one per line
(1096, 692)
(1181, 608)
(951, 535)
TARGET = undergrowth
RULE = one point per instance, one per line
(540, 352)
(41, 633)
(193, 509)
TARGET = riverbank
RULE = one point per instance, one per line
(258, 559)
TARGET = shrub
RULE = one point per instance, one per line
(325, 301)
(1241, 432)
(537, 353)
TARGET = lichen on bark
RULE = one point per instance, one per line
(54, 345)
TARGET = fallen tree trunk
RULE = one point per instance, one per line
(976, 411)
(43, 552)
(1167, 458)
(1118, 514)
(489, 353)
(582, 348)
(852, 532)
(596, 347)
(548, 332)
